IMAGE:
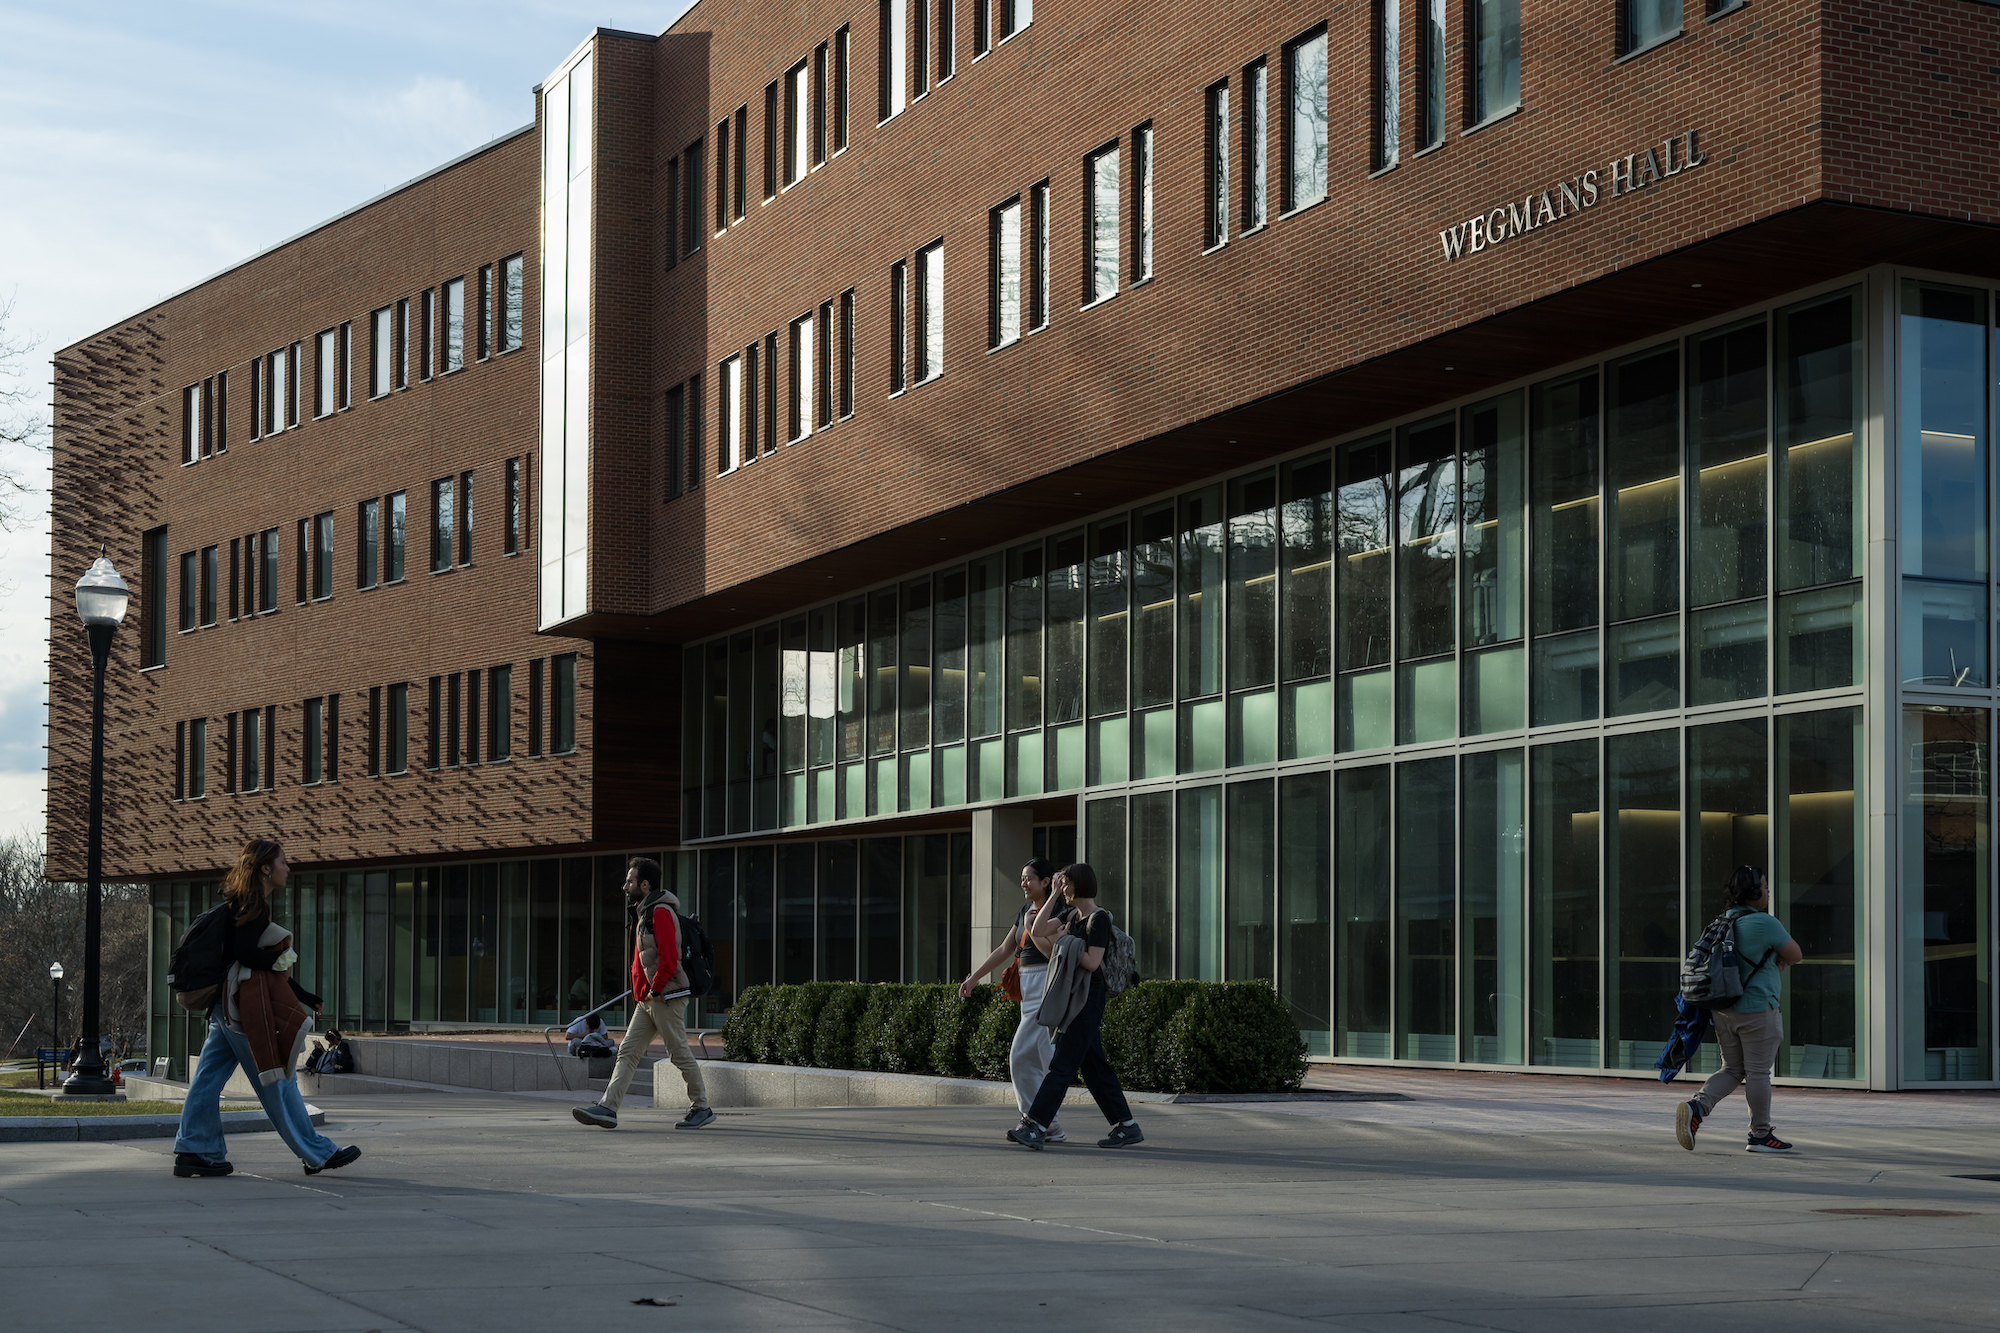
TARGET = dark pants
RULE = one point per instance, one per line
(1081, 1047)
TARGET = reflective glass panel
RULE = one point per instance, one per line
(1427, 535)
(1110, 617)
(1062, 691)
(1727, 450)
(1149, 915)
(1643, 466)
(1253, 580)
(1024, 637)
(1947, 896)
(1645, 661)
(1490, 514)
(1492, 880)
(1201, 573)
(1818, 391)
(1251, 888)
(1565, 503)
(1361, 904)
(1426, 912)
(1943, 371)
(1364, 514)
(1819, 844)
(1563, 905)
(1944, 633)
(1726, 653)
(1305, 904)
(1565, 678)
(1819, 638)
(1153, 606)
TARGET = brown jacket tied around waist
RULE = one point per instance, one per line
(274, 1022)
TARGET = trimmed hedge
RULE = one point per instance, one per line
(1161, 1036)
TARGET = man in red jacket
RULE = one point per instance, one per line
(659, 994)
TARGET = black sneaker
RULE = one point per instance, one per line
(598, 1114)
(1687, 1122)
(1767, 1143)
(335, 1162)
(194, 1164)
(1029, 1135)
(696, 1117)
(1122, 1136)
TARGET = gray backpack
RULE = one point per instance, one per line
(1121, 960)
(1710, 975)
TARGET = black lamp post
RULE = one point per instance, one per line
(101, 598)
(55, 1005)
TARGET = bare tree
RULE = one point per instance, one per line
(42, 923)
(23, 425)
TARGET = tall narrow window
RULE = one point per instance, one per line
(740, 188)
(208, 579)
(847, 353)
(314, 732)
(947, 36)
(197, 759)
(367, 543)
(562, 704)
(499, 714)
(256, 397)
(1386, 61)
(1647, 22)
(235, 577)
(454, 325)
(465, 518)
(772, 133)
(1003, 226)
(1305, 121)
(729, 416)
(399, 728)
(221, 414)
(721, 175)
(823, 379)
(1215, 152)
(819, 105)
(295, 370)
(982, 27)
(374, 731)
(304, 566)
(380, 358)
(190, 591)
(426, 330)
(752, 358)
(1431, 71)
(1142, 203)
(893, 77)
(394, 539)
(920, 48)
(1100, 235)
(485, 311)
(898, 296)
(691, 237)
(344, 396)
(400, 337)
(1038, 249)
(274, 391)
(252, 750)
(442, 526)
(676, 421)
(511, 542)
(453, 707)
(323, 556)
(326, 350)
(1496, 57)
(930, 311)
(770, 360)
(332, 738)
(842, 61)
(251, 560)
(153, 598)
(535, 707)
(434, 733)
(472, 717)
(797, 122)
(191, 405)
(799, 422)
(267, 583)
(512, 289)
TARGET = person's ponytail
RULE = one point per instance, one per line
(246, 885)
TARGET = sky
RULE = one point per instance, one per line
(145, 146)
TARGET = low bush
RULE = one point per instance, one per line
(833, 1038)
(1161, 1036)
(1236, 1037)
(1135, 1025)
(747, 1029)
(957, 1023)
(798, 1027)
(987, 1053)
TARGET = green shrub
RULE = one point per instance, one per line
(744, 1032)
(1135, 1026)
(958, 1023)
(798, 1025)
(987, 1052)
(871, 1030)
(833, 1042)
(912, 1029)
(1237, 1037)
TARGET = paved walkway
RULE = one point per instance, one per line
(484, 1212)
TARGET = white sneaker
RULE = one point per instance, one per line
(1056, 1134)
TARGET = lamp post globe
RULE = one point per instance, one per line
(101, 599)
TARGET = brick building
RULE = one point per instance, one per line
(1413, 493)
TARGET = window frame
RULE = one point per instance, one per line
(451, 328)
(997, 227)
(1094, 209)
(1289, 198)
(929, 311)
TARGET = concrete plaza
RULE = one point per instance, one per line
(1484, 1201)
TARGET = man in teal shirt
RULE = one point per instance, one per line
(1750, 1031)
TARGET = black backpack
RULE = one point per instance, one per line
(200, 962)
(697, 956)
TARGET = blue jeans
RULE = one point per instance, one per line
(201, 1114)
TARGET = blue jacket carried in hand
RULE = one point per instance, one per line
(1689, 1030)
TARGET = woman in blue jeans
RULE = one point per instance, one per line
(199, 1150)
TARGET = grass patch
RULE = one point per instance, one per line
(17, 1103)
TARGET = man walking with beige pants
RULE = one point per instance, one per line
(659, 1004)
(1749, 1032)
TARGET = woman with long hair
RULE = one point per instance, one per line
(258, 1023)
(1034, 1045)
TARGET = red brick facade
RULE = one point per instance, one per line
(1830, 137)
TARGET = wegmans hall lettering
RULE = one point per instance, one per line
(1632, 172)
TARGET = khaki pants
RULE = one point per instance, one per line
(1749, 1045)
(666, 1019)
